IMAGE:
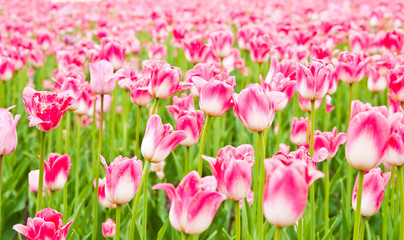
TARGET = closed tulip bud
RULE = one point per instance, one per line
(102, 199)
(123, 178)
(374, 184)
(194, 49)
(113, 52)
(329, 141)
(6, 68)
(139, 93)
(394, 152)
(255, 108)
(244, 34)
(47, 224)
(108, 228)
(233, 170)
(45, 108)
(159, 140)
(102, 77)
(33, 180)
(260, 49)
(191, 123)
(215, 94)
(193, 203)
(221, 42)
(57, 169)
(298, 130)
(8, 130)
(286, 189)
(396, 83)
(376, 82)
(282, 84)
(351, 67)
(313, 81)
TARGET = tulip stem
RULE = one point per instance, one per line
(118, 221)
(349, 174)
(65, 212)
(300, 229)
(156, 101)
(326, 196)
(67, 132)
(202, 145)
(145, 188)
(15, 83)
(139, 111)
(77, 163)
(137, 198)
(401, 187)
(396, 192)
(261, 186)
(363, 225)
(93, 140)
(358, 205)
(1, 167)
(50, 199)
(3, 93)
(312, 187)
(186, 167)
(278, 233)
(259, 72)
(112, 125)
(60, 137)
(41, 169)
(97, 173)
(278, 135)
(238, 225)
(125, 119)
(221, 64)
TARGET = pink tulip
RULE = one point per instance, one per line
(202, 70)
(394, 106)
(287, 67)
(8, 130)
(45, 108)
(280, 83)
(191, 123)
(102, 77)
(328, 107)
(36, 58)
(57, 169)
(221, 42)
(260, 49)
(298, 130)
(215, 94)
(157, 51)
(102, 199)
(394, 40)
(6, 68)
(367, 135)
(47, 224)
(376, 82)
(183, 103)
(305, 105)
(244, 34)
(33, 180)
(286, 190)
(193, 203)
(113, 52)
(164, 79)
(394, 152)
(139, 93)
(333, 82)
(159, 140)
(351, 67)
(180, 31)
(123, 178)
(255, 108)
(233, 170)
(313, 81)
(329, 141)
(85, 100)
(194, 49)
(374, 184)
(158, 169)
(395, 79)
(283, 148)
(108, 228)
(44, 39)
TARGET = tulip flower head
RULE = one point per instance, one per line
(396, 83)
(221, 42)
(351, 67)
(183, 103)
(191, 123)
(102, 77)
(108, 228)
(298, 130)
(8, 129)
(102, 199)
(193, 203)
(57, 169)
(329, 141)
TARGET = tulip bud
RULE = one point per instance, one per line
(102, 77)
(108, 228)
(8, 130)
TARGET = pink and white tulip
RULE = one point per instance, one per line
(108, 228)
(260, 49)
(395, 79)
(191, 123)
(351, 67)
(102, 199)
(298, 130)
(8, 129)
(183, 103)
(113, 52)
(102, 77)
(57, 169)
(194, 49)
(329, 141)
(221, 42)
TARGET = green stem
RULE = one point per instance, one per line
(202, 145)
(156, 101)
(15, 86)
(300, 229)
(60, 137)
(112, 124)
(125, 118)
(238, 225)
(139, 111)
(3, 94)
(1, 167)
(145, 188)
(312, 187)
(186, 167)
(278, 233)
(77, 163)
(221, 64)
(363, 225)
(259, 72)
(93, 141)
(396, 194)
(358, 205)
(118, 221)
(50, 199)
(278, 136)
(392, 186)
(65, 207)
(41, 169)
(401, 186)
(136, 202)
(97, 174)
(261, 187)
(349, 176)
(326, 196)
(184, 236)
(67, 132)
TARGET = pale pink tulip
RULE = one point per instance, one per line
(102, 199)
(394, 152)
(8, 130)
(108, 228)
(102, 77)
(139, 93)
(202, 70)
(193, 203)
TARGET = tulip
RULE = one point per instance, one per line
(282, 84)
(233, 170)
(102, 199)
(376, 82)
(102, 77)
(108, 228)
(351, 67)
(374, 184)
(6, 68)
(287, 67)
(56, 171)
(298, 130)
(123, 178)
(313, 81)
(44, 39)
(33, 180)
(45, 108)
(36, 58)
(244, 34)
(286, 190)
(394, 40)
(85, 100)
(305, 105)
(329, 141)
(193, 203)
(394, 152)
(47, 224)
(328, 107)
(260, 49)
(183, 103)
(139, 93)
(159, 140)
(194, 49)
(202, 70)
(255, 108)
(157, 51)
(191, 123)
(221, 42)
(113, 52)
(396, 83)
(158, 169)
(8, 129)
